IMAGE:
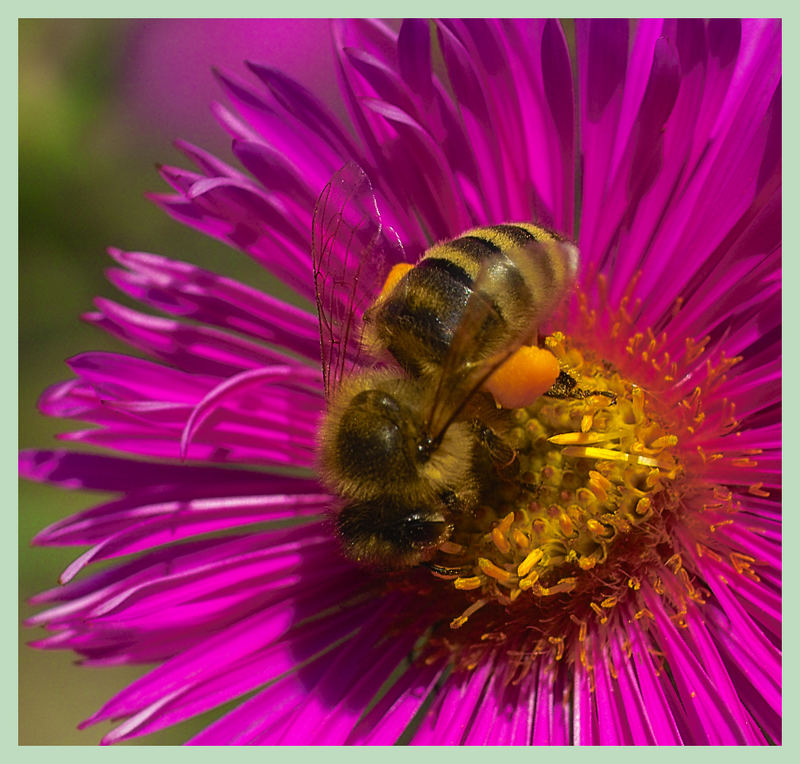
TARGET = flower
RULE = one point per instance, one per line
(166, 65)
(633, 596)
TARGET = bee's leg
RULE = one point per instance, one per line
(566, 386)
(450, 500)
(500, 452)
(532, 488)
(446, 571)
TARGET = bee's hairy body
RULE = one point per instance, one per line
(372, 439)
(399, 497)
(417, 320)
(401, 445)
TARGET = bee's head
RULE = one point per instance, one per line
(388, 533)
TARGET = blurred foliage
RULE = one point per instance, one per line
(85, 162)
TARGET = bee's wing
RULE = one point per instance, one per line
(351, 253)
(461, 374)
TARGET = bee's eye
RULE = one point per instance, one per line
(376, 402)
(388, 533)
(424, 529)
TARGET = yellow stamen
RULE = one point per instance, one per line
(606, 453)
(558, 643)
(490, 569)
(527, 565)
(520, 539)
(579, 438)
(473, 582)
(567, 537)
(457, 623)
(500, 541)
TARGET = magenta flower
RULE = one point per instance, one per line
(636, 598)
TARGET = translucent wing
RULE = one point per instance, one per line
(462, 374)
(351, 252)
(477, 348)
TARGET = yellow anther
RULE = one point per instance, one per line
(598, 612)
(529, 581)
(757, 489)
(505, 524)
(457, 623)
(599, 479)
(665, 441)
(674, 563)
(527, 565)
(579, 438)
(558, 643)
(492, 570)
(587, 563)
(713, 527)
(520, 539)
(637, 399)
(564, 585)
(686, 581)
(473, 582)
(500, 541)
(596, 528)
(680, 619)
(599, 484)
(741, 562)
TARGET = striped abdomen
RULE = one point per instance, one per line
(522, 270)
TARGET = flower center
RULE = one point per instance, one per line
(578, 514)
(599, 520)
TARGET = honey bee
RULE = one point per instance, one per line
(407, 407)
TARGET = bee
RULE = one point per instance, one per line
(407, 404)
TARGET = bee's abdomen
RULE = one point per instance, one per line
(416, 323)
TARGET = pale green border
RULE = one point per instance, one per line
(354, 8)
(147, 8)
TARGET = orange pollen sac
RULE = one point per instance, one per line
(527, 374)
(395, 274)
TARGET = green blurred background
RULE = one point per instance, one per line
(100, 103)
